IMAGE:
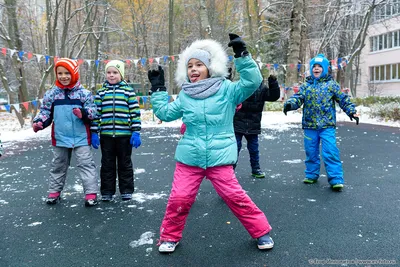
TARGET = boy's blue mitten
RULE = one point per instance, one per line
(135, 140)
(95, 141)
(286, 107)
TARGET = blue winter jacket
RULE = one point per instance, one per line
(67, 129)
(319, 97)
(209, 139)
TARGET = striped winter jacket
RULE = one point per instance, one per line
(117, 109)
(319, 97)
(67, 129)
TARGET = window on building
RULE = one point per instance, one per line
(388, 10)
(398, 71)
(395, 39)
(387, 72)
(394, 72)
(390, 39)
(382, 73)
(371, 74)
(385, 42)
(380, 42)
(371, 44)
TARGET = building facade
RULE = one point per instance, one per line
(380, 58)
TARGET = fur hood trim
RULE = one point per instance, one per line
(218, 62)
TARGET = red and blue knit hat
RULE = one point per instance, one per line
(72, 67)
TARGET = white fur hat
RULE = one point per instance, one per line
(218, 66)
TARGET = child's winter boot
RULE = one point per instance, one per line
(126, 197)
(167, 246)
(337, 187)
(91, 200)
(258, 173)
(53, 198)
(265, 242)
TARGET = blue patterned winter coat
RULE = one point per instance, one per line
(319, 97)
(67, 129)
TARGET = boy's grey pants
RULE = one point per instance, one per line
(85, 164)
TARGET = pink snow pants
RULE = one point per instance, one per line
(187, 180)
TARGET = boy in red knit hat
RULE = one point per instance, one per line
(69, 108)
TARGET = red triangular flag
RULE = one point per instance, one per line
(173, 58)
(151, 60)
(80, 61)
(26, 105)
(30, 55)
(4, 50)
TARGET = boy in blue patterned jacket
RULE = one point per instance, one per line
(119, 125)
(69, 108)
(319, 94)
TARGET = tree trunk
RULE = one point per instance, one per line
(16, 42)
(171, 46)
(294, 43)
(205, 24)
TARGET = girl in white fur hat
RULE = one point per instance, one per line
(208, 148)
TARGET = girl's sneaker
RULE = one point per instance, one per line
(265, 242)
(167, 246)
(53, 198)
(91, 200)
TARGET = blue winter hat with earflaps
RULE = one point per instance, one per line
(321, 60)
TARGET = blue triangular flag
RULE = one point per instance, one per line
(21, 54)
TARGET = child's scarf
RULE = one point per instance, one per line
(202, 89)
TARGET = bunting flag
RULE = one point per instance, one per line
(25, 105)
(338, 63)
(34, 103)
(144, 99)
(38, 57)
(20, 54)
(17, 107)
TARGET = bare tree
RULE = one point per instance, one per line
(294, 41)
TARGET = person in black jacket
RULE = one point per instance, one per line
(247, 121)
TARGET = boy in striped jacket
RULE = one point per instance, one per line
(119, 127)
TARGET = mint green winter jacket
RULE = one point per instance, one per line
(209, 139)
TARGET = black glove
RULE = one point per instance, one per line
(157, 80)
(238, 45)
(286, 107)
(273, 92)
(357, 119)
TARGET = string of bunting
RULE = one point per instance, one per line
(143, 100)
(338, 63)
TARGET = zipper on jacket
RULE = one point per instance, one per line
(72, 120)
(114, 111)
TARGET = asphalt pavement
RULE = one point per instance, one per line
(312, 225)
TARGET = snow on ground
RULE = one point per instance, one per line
(10, 129)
